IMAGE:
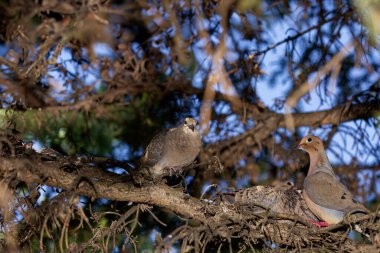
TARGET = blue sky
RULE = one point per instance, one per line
(267, 91)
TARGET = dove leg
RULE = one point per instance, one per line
(174, 171)
(319, 224)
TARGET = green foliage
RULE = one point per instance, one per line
(71, 132)
(77, 132)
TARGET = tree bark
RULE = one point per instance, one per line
(221, 219)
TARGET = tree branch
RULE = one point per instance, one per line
(269, 122)
(222, 219)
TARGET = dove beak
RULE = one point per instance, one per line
(299, 146)
(191, 127)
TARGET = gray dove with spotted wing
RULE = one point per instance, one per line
(172, 149)
(324, 194)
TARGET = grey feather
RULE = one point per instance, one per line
(324, 194)
(173, 149)
(154, 151)
(333, 195)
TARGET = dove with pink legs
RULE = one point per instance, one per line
(324, 194)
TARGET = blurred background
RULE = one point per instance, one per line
(101, 78)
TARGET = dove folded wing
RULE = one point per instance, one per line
(326, 191)
(155, 150)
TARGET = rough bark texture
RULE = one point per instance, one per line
(266, 215)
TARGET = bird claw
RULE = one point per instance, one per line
(173, 171)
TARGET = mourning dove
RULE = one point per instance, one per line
(324, 194)
(172, 149)
(283, 198)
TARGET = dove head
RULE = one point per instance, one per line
(318, 159)
(190, 124)
(312, 145)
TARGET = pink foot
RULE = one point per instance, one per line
(319, 224)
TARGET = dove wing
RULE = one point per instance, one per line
(156, 148)
(325, 190)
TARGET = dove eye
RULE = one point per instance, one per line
(309, 140)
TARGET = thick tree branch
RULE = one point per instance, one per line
(223, 220)
(93, 182)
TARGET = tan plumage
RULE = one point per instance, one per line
(324, 194)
